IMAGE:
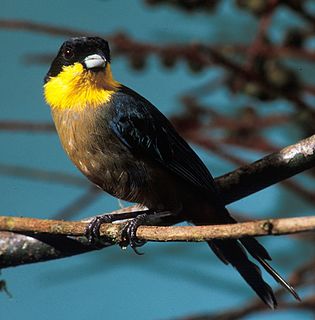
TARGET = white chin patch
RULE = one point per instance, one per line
(94, 61)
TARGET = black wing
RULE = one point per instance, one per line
(146, 131)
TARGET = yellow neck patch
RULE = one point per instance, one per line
(77, 88)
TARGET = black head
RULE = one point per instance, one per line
(92, 52)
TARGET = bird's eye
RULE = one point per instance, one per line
(68, 53)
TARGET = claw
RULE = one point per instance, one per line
(129, 233)
(92, 231)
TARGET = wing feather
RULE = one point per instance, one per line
(147, 132)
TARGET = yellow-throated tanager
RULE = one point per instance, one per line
(128, 148)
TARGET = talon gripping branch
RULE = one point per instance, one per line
(127, 147)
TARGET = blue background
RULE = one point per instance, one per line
(170, 280)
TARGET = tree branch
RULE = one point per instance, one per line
(267, 171)
(233, 186)
(112, 231)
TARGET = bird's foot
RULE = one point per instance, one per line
(92, 231)
(129, 233)
(129, 237)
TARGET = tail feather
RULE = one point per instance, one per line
(258, 252)
(217, 252)
(233, 253)
(251, 244)
(253, 247)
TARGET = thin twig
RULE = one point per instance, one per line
(41, 28)
(42, 175)
(264, 23)
(17, 126)
(79, 204)
(153, 233)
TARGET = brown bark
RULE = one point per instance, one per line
(158, 233)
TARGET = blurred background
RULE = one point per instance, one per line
(254, 94)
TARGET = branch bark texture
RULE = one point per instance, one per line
(267, 171)
(161, 233)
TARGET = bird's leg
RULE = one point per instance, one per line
(148, 217)
(92, 231)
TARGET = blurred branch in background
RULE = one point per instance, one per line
(302, 278)
(26, 126)
(42, 175)
(261, 71)
(79, 204)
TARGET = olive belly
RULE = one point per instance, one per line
(108, 163)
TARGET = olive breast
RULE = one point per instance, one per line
(98, 154)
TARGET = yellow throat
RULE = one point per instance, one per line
(77, 88)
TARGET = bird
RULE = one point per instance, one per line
(128, 148)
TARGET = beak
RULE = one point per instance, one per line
(94, 61)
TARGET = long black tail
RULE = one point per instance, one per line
(258, 252)
(232, 251)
